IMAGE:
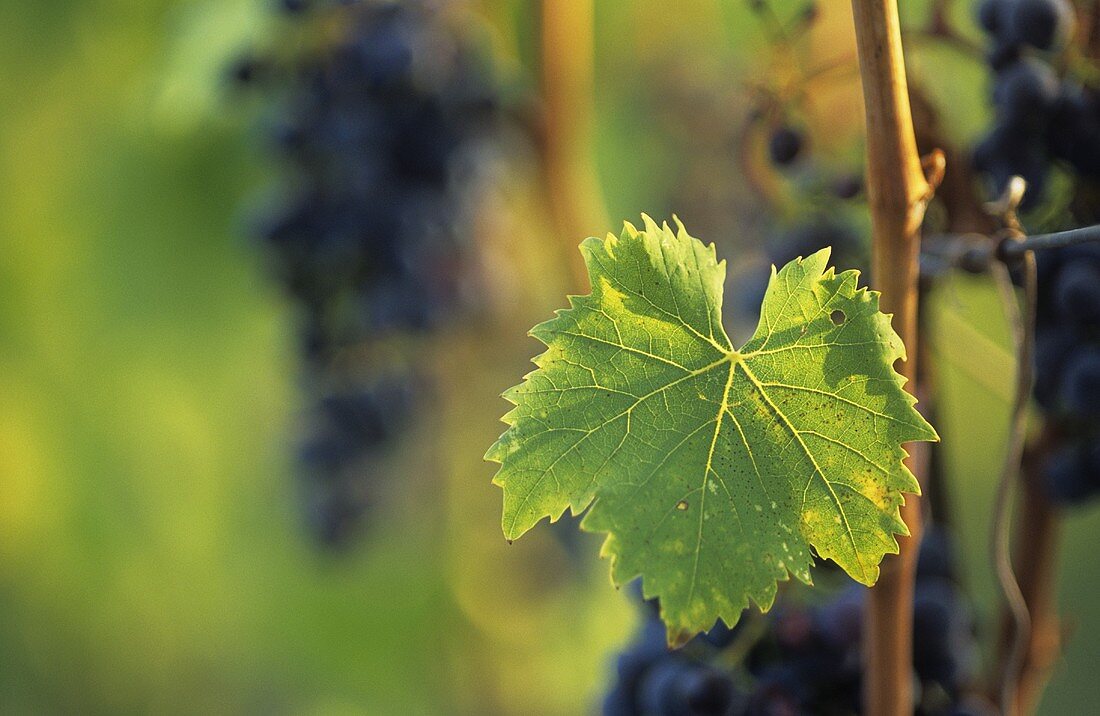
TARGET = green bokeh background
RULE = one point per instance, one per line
(151, 555)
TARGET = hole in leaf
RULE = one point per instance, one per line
(682, 505)
(837, 317)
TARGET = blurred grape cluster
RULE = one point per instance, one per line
(805, 656)
(1040, 117)
(1067, 384)
(380, 119)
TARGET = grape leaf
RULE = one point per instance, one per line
(714, 472)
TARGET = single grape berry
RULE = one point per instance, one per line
(1067, 476)
(1077, 139)
(247, 70)
(1053, 345)
(1042, 24)
(936, 558)
(840, 621)
(778, 692)
(1009, 151)
(1025, 92)
(941, 631)
(1077, 294)
(293, 7)
(785, 144)
(707, 691)
(658, 691)
(1002, 55)
(990, 14)
(848, 186)
(1081, 382)
(632, 665)
(678, 687)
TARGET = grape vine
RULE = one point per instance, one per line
(807, 655)
(717, 473)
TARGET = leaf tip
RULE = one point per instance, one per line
(508, 526)
(677, 638)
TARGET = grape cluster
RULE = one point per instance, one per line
(379, 122)
(803, 657)
(1067, 356)
(652, 679)
(1040, 118)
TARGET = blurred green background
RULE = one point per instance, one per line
(151, 554)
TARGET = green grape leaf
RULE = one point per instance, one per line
(715, 472)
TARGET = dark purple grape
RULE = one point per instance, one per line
(1042, 23)
(936, 558)
(1002, 55)
(1025, 92)
(708, 692)
(785, 144)
(778, 693)
(794, 629)
(618, 702)
(991, 15)
(248, 69)
(651, 644)
(848, 186)
(648, 648)
(1053, 345)
(1075, 139)
(1071, 476)
(677, 687)
(840, 621)
(1077, 294)
(293, 7)
(1008, 151)
(1080, 390)
(658, 692)
(941, 630)
(385, 58)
